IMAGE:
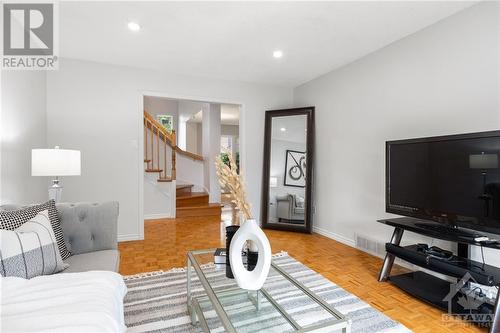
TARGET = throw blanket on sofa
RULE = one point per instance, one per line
(72, 302)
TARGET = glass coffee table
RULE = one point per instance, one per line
(283, 304)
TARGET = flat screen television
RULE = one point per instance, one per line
(451, 179)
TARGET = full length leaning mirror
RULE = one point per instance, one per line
(288, 168)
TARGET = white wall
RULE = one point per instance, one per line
(187, 109)
(193, 141)
(97, 108)
(441, 80)
(23, 127)
(199, 139)
(211, 149)
(191, 171)
(159, 198)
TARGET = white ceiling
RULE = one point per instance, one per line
(235, 40)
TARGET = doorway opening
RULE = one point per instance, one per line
(182, 138)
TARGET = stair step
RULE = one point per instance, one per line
(213, 209)
(191, 195)
(153, 170)
(164, 180)
(146, 161)
(183, 186)
(183, 189)
(192, 199)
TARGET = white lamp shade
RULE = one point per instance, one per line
(55, 162)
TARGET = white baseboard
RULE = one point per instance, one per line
(352, 243)
(131, 237)
(334, 236)
(157, 216)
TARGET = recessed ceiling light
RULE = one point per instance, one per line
(283, 129)
(134, 26)
(278, 54)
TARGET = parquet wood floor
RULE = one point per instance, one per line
(167, 241)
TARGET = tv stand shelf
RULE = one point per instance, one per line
(433, 289)
(438, 230)
(456, 266)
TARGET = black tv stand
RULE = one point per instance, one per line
(455, 231)
(430, 288)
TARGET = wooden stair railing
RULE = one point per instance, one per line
(154, 131)
(189, 154)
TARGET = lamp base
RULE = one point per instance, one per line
(55, 191)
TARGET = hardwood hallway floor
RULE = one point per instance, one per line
(167, 241)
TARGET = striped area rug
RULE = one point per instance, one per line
(156, 302)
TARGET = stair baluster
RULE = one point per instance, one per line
(165, 158)
(157, 149)
(174, 144)
(152, 149)
(146, 139)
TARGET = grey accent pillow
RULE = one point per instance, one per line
(30, 250)
(12, 219)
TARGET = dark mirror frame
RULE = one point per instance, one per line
(309, 112)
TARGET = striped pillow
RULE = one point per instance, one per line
(30, 250)
(12, 219)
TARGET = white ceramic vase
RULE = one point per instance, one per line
(250, 280)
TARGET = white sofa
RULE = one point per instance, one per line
(74, 302)
(89, 296)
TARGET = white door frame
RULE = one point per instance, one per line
(140, 138)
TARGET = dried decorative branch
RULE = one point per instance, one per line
(229, 178)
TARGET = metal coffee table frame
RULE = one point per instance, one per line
(196, 313)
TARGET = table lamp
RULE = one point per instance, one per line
(55, 162)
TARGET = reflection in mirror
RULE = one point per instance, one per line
(287, 187)
(287, 179)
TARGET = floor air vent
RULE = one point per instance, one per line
(369, 245)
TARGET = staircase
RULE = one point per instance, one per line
(160, 155)
(159, 149)
(192, 204)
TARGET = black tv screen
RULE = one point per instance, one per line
(450, 179)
